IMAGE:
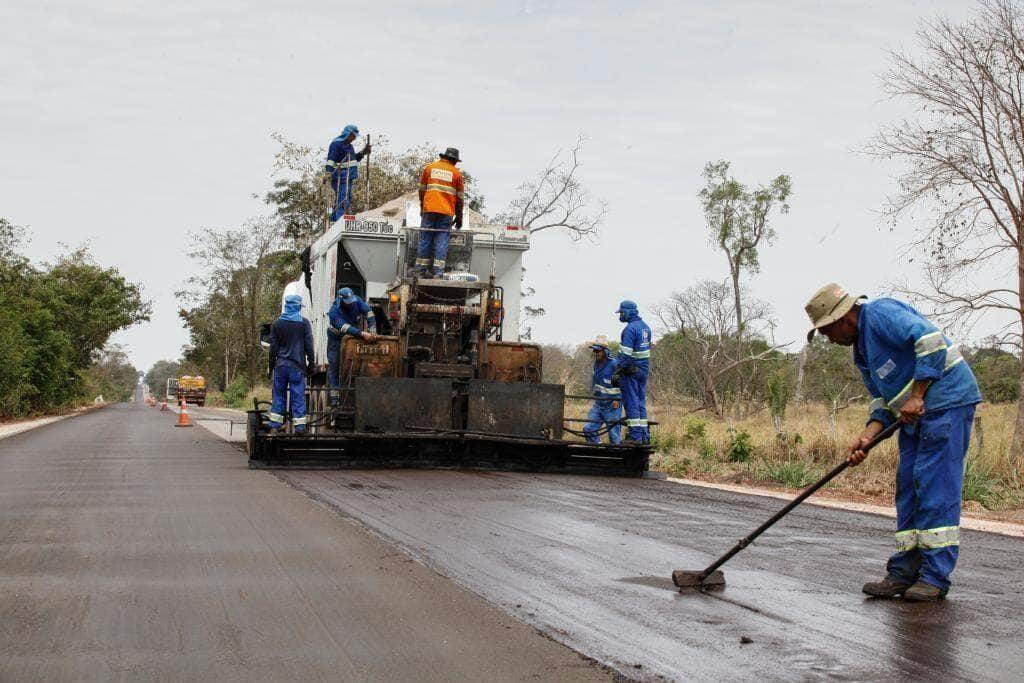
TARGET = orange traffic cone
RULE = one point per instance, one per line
(183, 420)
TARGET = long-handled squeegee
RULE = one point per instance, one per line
(711, 577)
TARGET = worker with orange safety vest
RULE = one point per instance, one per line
(441, 194)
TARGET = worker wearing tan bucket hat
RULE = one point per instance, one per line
(827, 307)
(917, 376)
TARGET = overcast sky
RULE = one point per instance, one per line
(127, 124)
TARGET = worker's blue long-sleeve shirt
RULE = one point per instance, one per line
(603, 383)
(291, 343)
(896, 346)
(342, 158)
(635, 344)
(345, 317)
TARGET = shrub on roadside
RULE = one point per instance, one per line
(237, 392)
(741, 447)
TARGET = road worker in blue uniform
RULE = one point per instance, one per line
(606, 413)
(291, 354)
(343, 168)
(346, 317)
(916, 375)
(634, 366)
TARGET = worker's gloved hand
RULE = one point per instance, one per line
(310, 369)
(615, 405)
(628, 370)
(366, 150)
(912, 409)
(368, 336)
(458, 222)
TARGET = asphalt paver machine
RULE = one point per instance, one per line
(442, 385)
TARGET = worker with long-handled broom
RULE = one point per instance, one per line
(917, 376)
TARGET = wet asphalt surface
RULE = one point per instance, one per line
(588, 560)
(132, 550)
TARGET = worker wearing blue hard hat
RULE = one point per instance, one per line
(347, 315)
(634, 367)
(342, 168)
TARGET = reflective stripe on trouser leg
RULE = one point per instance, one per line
(932, 458)
(297, 394)
(634, 393)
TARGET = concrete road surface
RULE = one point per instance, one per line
(588, 561)
(132, 550)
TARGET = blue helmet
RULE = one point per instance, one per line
(346, 295)
(626, 306)
(349, 130)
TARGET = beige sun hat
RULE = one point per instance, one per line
(829, 304)
(600, 343)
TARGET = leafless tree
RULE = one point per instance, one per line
(710, 348)
(557, 199)
(964, 150)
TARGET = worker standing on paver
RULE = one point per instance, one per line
(342, 168)
(441, 195)
(346, 317)
(634, 366)
(291, 354)
(914, 374)
(607, 410)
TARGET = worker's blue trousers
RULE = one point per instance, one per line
(289, 383)
(434, 241)
(601, 414)
(929, 488)
(342, 187)
(333, 366)
(634, 400)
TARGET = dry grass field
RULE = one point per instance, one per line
(748, 450)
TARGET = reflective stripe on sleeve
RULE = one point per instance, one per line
(899, 399)
(906, 540)
(953, 356)
(929, 343)
(940, 537)
(876, 404)
(344, 327)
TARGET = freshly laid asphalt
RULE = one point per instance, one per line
(131, 550)
(588, 560)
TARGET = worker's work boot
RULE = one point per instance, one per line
(886, 588)
(924, 592)
(438, 275)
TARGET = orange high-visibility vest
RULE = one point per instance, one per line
(441, 184)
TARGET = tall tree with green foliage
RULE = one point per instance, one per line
(739, 221)
(242, 274)
(55, 320)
